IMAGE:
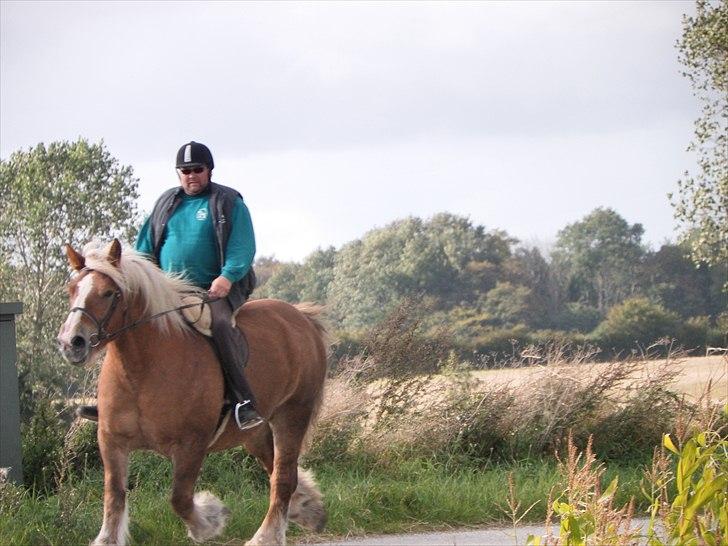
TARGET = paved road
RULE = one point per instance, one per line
(500, 536)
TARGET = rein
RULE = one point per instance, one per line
(102, 335)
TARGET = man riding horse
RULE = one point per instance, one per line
(203, 230)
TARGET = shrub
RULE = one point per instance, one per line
(694, 333)
(502, 344)
(635, 321)
(42, 447)
(81, 447)
(577, 316)
(632, 428)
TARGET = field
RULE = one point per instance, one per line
(695, 374)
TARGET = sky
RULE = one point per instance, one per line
(335, 118)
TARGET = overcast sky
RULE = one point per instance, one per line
(332, 118)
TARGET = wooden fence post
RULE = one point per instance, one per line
(10, 454)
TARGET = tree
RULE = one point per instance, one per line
(445, 259)
(701, 206)
(602, 253)
(670, 277)
(68, 192)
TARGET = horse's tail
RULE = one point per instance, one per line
(314, 313)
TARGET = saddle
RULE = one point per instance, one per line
(199, 316)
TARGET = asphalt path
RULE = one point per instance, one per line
(493, 536)
(501, 536)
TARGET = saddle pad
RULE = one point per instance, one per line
(198, 316)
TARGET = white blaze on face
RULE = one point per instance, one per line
(73, 322)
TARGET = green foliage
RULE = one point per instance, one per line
(446, 258)
(602, 252)
(701, 205)
(42, 447)
(669, 277)
(67, 192)
(634, 321)
(502, 343)
(586, 512)
(579, 317)
(699, 512)
(507, 304)
(283, 284)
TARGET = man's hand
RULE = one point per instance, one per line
(220, 287)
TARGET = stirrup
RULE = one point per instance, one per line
(253, 419)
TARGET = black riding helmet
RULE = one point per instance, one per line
(194, 154)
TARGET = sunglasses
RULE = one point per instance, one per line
(196, 170)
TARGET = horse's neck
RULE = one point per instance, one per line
(143, 343)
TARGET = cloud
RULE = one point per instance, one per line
(265, 77)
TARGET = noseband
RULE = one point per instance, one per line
(101, 334)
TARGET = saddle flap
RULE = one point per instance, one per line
(199, 316)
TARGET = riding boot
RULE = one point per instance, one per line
(232, 349)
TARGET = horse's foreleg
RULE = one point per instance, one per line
(288, 433)
(203, 513)
(115, 528)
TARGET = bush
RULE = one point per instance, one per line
(502, 344)
(636, 321)
(42, 447)
(577, 316)
(81, 447)
(694, 333)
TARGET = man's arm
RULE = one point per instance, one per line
(239, 253)
(144, 243)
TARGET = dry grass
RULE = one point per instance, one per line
(513, 413)
(693, 375)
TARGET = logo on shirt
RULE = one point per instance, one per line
(201, 215)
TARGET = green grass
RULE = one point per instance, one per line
(361, 497)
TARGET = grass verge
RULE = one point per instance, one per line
(405, 495)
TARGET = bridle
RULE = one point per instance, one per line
(102, 335)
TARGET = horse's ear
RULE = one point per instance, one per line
(115, 252)
(77, 261)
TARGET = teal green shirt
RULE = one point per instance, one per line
(189, 243)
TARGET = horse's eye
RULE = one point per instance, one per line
(108, 293)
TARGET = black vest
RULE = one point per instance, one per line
(222, 201)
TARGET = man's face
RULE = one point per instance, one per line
(194, 179)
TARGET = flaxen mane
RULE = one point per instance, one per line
(138, 277)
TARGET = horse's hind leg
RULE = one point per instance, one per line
(203, 513)
(289, 428)
(306, 507)
(115, 528)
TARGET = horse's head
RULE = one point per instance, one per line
(94, 300)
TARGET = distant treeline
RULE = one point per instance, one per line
(599, 285)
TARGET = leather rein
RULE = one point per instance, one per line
(102, 335)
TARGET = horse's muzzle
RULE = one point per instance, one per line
(76, 352)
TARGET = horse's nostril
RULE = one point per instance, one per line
(78, 342)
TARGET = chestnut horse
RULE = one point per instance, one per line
(161, 388)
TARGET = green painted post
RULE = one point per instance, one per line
(10, 455)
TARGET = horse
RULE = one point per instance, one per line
(161, 388)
